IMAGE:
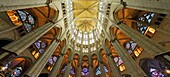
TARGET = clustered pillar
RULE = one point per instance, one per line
(39, 65)
(91, 73)
(101, 63)
(18, 46)
(114, 69)
(57, 65)
(70, 58)
(20, 4)
(130, 64)
(79, 65)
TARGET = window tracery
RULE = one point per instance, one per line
(155, 73)
(119, 63)
(147, 18)
(9, 70)
(85, 71)
(99, 72)
(27, 19)
(72, 70)
(133, 49)
(40, 46)
(52, 60)
(130, 46)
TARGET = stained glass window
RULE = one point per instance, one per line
(145, 18)
(74, 35)
(64, 68)
(31, 20)
(85, 41)
(93, 48)
(130, 46)
(72, 72)
(96, 34)
(91, 38)
(22, 15)
(17, 71)
(52, 60)
(85, 50)
(79, 37)
(85, 72)
(27, 19)
(40, 45)
(155, 73)
(98, 70)
(119, 63)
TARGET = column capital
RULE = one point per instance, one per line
(101, 61)
(109, 54)
(48, 2)
(50, 20)
(69, 61)
(113, 40)
(91, 65)
(123, 3)
(79, 65)
(58, 40)
(62, 54)
(119, 22)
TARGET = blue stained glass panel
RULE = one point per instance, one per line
(85, 72)
(72, 71)
(22, 15)
(43, 45)
(155, 73)
(28, 27)
(31, 20)
(27, 19)
(17, 71)
(37, 44)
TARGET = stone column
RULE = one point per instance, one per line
(103, 74)
(91, 73)
(130, 64)
(9, 29)
(57, 65)
(161, 6)
(20, 4)
(18, 46)
(100, 60)
(79, 66)
(67, 71)
(163, 31)
(115, 72)
(39, 65)
(149, 45)
(152, 47)
(150, 25)
(24, 42)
